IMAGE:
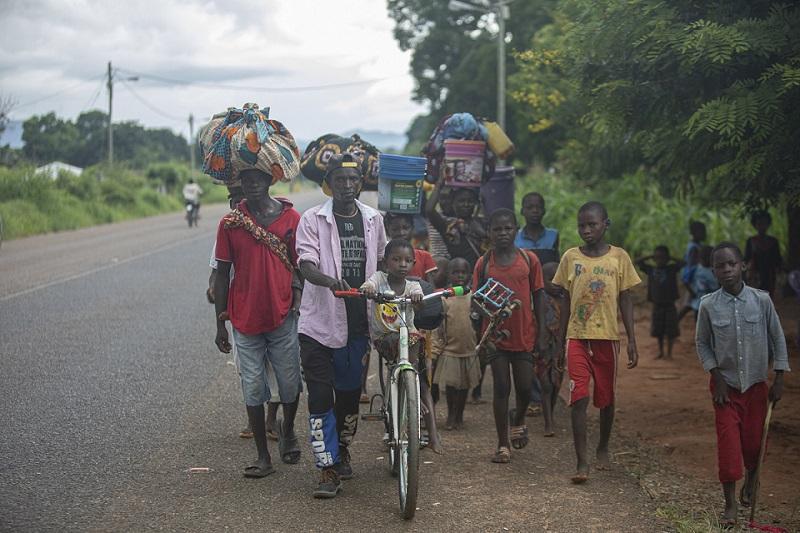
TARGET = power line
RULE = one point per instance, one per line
(94, 98)
(58, 93)
(301, 88)
(150, 106)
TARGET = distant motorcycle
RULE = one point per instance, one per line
(192, 215)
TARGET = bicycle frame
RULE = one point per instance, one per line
(404, 437)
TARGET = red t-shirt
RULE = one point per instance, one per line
(260, 295)
(423, 264)
(523, 281)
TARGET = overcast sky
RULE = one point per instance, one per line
(63, 46)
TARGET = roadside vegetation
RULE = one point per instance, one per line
(642, 214)
(32, 203)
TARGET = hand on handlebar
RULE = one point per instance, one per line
(339, 285)
(369, 291)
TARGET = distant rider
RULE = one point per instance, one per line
(191, 195)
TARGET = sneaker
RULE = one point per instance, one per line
(343, 468)
(329, 484)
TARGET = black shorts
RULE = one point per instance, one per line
(510, 356)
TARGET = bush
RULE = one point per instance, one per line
(642, 216)
(31, 204)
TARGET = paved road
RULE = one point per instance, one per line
(111, 389)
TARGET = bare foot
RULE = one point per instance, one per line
(603, 461)
(582, 475)
(727, 519)
(436, 446)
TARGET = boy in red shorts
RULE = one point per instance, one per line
(738, 335)
(597, 278)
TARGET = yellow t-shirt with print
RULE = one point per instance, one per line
(594, 284)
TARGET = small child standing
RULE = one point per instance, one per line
(692, 258)
(762, 254)
(738, 334)
(398, 259)
(662, 291)
(549, 361)
(457, 366)
(520, 271)
(598, 278)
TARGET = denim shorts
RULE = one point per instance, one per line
(279, 348)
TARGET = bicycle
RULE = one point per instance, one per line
(401, 406)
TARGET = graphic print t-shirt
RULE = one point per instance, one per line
(594, 284)
(354, 263)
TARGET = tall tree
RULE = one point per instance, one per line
(454, 57)
(704, 94)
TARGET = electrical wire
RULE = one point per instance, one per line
(93, 99)
(58, 93)
(302, 88)
(150, 106)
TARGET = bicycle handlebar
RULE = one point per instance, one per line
(390, 297)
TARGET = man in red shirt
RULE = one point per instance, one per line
(258, 239)
(507, 264)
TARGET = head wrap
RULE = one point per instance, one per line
(314, 163)
(242, 139)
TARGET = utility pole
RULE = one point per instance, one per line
(191, 143)
(110, 85)
(502, 10)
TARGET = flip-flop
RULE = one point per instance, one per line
(549, 433)
(246, 433)
(256, 471)
(502, 455)
(288, 446)
(271, 435)
(580, 479)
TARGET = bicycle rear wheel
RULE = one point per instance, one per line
(407, 442)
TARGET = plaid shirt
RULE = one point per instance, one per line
(740, 335)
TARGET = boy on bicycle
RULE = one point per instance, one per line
(398, 259)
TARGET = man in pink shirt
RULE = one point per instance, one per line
(339, 244)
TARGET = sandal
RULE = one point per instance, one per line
(256, 471)
(517, 434)
(246, 433)
(502, 455)
(533, 410)
(271, 435)
(287, 446)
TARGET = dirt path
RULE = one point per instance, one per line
(665, 410)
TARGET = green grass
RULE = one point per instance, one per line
(32, 204)
(684, 522)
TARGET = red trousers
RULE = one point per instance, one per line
(740, 423)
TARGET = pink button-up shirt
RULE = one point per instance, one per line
(322, 316)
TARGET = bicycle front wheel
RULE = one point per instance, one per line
(407, 450)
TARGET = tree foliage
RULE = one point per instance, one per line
(702, 94)
(84, 142)
(454, 58)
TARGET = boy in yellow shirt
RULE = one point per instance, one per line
(597, 278)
